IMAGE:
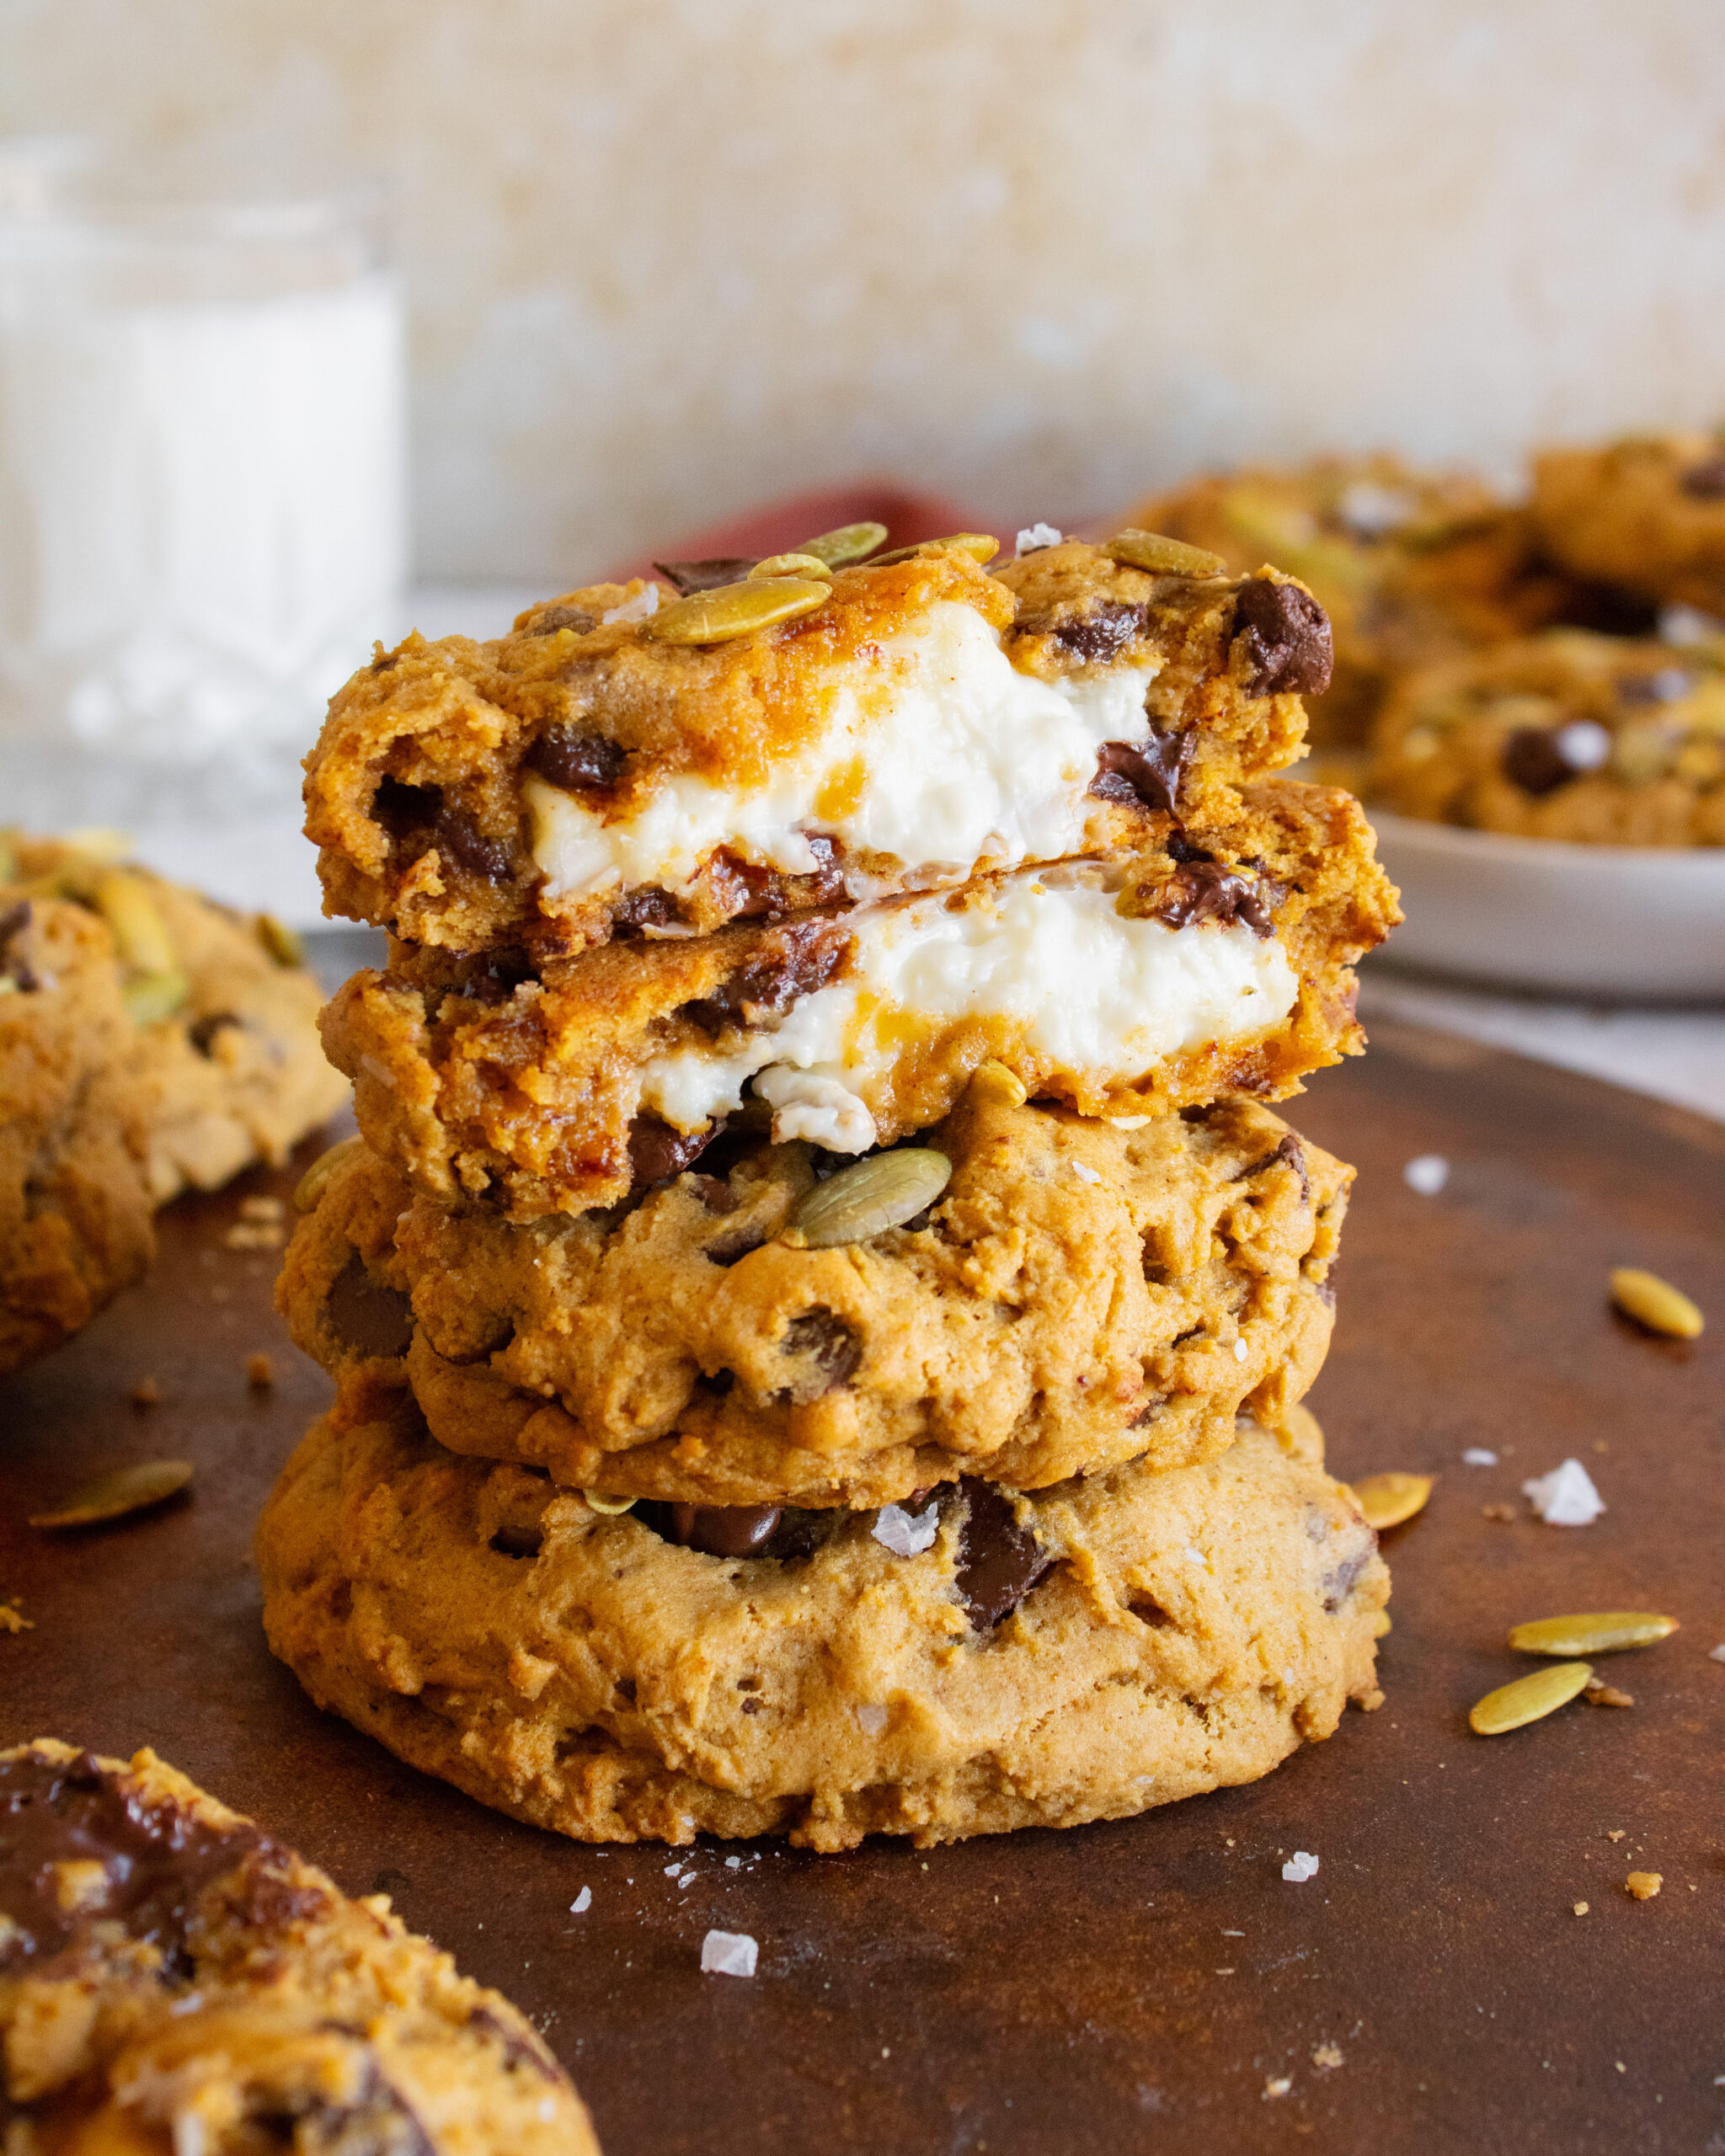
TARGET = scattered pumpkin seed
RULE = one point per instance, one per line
(151, 997)
(849, 543)
(315, 1181)
(1381, 1624)
(1529, 1698)
(1386, 1500)
(1655, 1303)
(792, 565)
(868, 1198)
(729, 610)
(280, 941)
(1164, 556)
(1606, 1632)
(994, 1081)
(139, 932)
(612, 1507)
(111, 1497)
(979, 546)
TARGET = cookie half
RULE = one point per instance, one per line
(1077, 1295)
(981, 1663)
(171, 1977)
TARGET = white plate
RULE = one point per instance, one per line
(1640, 923)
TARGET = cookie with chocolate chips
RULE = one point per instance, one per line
(172, 1977)
(1645, 516)
(971, 1661)
(1077, 1293)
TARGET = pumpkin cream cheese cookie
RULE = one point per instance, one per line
(225, 1065)
(1022, 1295)
(1214, 962)
(1598, 741)
(1647, 516)
(804, 737)
(75, 1203)
(977, 1663)
(173, 1980)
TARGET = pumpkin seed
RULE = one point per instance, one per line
(993, 1081)
(1381, 1624)
(309, 1191)
(610, 1506)
(1150, 550)
(139, 932)
(1655, 1303)
(868, 1198)
(729, 610)
(792, 565)
(151, 997)
(1643, 1885)
(1386, 1500)
(111, 1497)
(979, 546)
(280, 941)
(849, 543)
(1529, 1698)
(1607, 1632)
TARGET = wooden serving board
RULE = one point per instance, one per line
(1126, 1987)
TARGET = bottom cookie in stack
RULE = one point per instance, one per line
(967, 1662)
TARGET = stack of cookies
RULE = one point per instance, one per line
(819, 1304)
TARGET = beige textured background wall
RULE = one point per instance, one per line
(668, 256)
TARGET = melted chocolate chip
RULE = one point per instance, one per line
(1178, 847)
(579, 618)
(517, 1541)
(999, 1560)
(706, 576)
(421, 815)
(647, 908)
(747, 892)
(1153, 1405)
(1339, 1580)
(1204, 890)
(460, 837)
(157, 1861)
(1286, 634)
(1102, 633)
(1533, 759)
(801, 960)
(202, 1032)
(14, 921)
(1293, 1154)
(369, 1317)
(656, 1151)
(1706, 481)
(780, 1531)
(828, 1342)
(1151, 774)
(562, 757)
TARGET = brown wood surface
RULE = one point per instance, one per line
(1124, 1987)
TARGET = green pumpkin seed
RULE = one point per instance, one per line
(151, 997)
(308, 1194)
(1655, 1303)
(280, 941)
(979, 546)
(881, 1193)
(807, 565)
(1529, 1698)
(610, 1506)
(729, 610)
(1387, 1500)
(849, 543)
(111, 1497)
(1150, 550)
(1607, 1631)
(140, 934)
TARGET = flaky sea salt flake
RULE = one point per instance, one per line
(1301, 1865)
(583, 1902)
(905, 1533)
(728, 1954)
(637, 608)
(1566, 1498)
(1479, 1456)
(1427, 1173)
(1034, 537)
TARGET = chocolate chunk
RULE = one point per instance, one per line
(647, 908)
(1204, 890)
(656, 1151)
(1533, 759)
(1286, 635)
(1706, 481)
(716, 1194)
(518, 1541)
(1339, 1579)
(800, 960)
(157, 1860)
(579, 618)
(14, 921)
(747, 892)
(706, 576)
(1293, 1154)
(369, 1317)
(780, 1531)
(566, 757)
(829, 1344)
(999, 1560)
(202, 1032)
(1178, 847)
(419, 814)
(1151, 774)
(1153, 1405)
(456, 834)
(1102, 633)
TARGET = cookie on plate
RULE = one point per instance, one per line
(172, 1979)
(973, 1662)
(1600, 740)
(227, 1066)
(615, 765)
(1077, 1295)
(1216, 961)
(1647, 516)
(75, 1204)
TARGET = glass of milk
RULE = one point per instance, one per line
(202, 490)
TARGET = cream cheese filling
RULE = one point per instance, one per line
(1090, 991)
(936, 750)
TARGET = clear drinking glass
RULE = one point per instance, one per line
(202, 487)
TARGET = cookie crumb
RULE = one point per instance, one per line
(1497, 1512)
(1598, 1694)
(728, 1954)
(255, 1235)
(1369, 1706)
(262, 1208)
(1581, 1908)
(260, 1373)
(1615, 1833)
(1643, 1885)
(146, 1393)
(1479, 1456)
(1301, 1865)
(1278, 2087)
(1326, 2054)
(12, 1622)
